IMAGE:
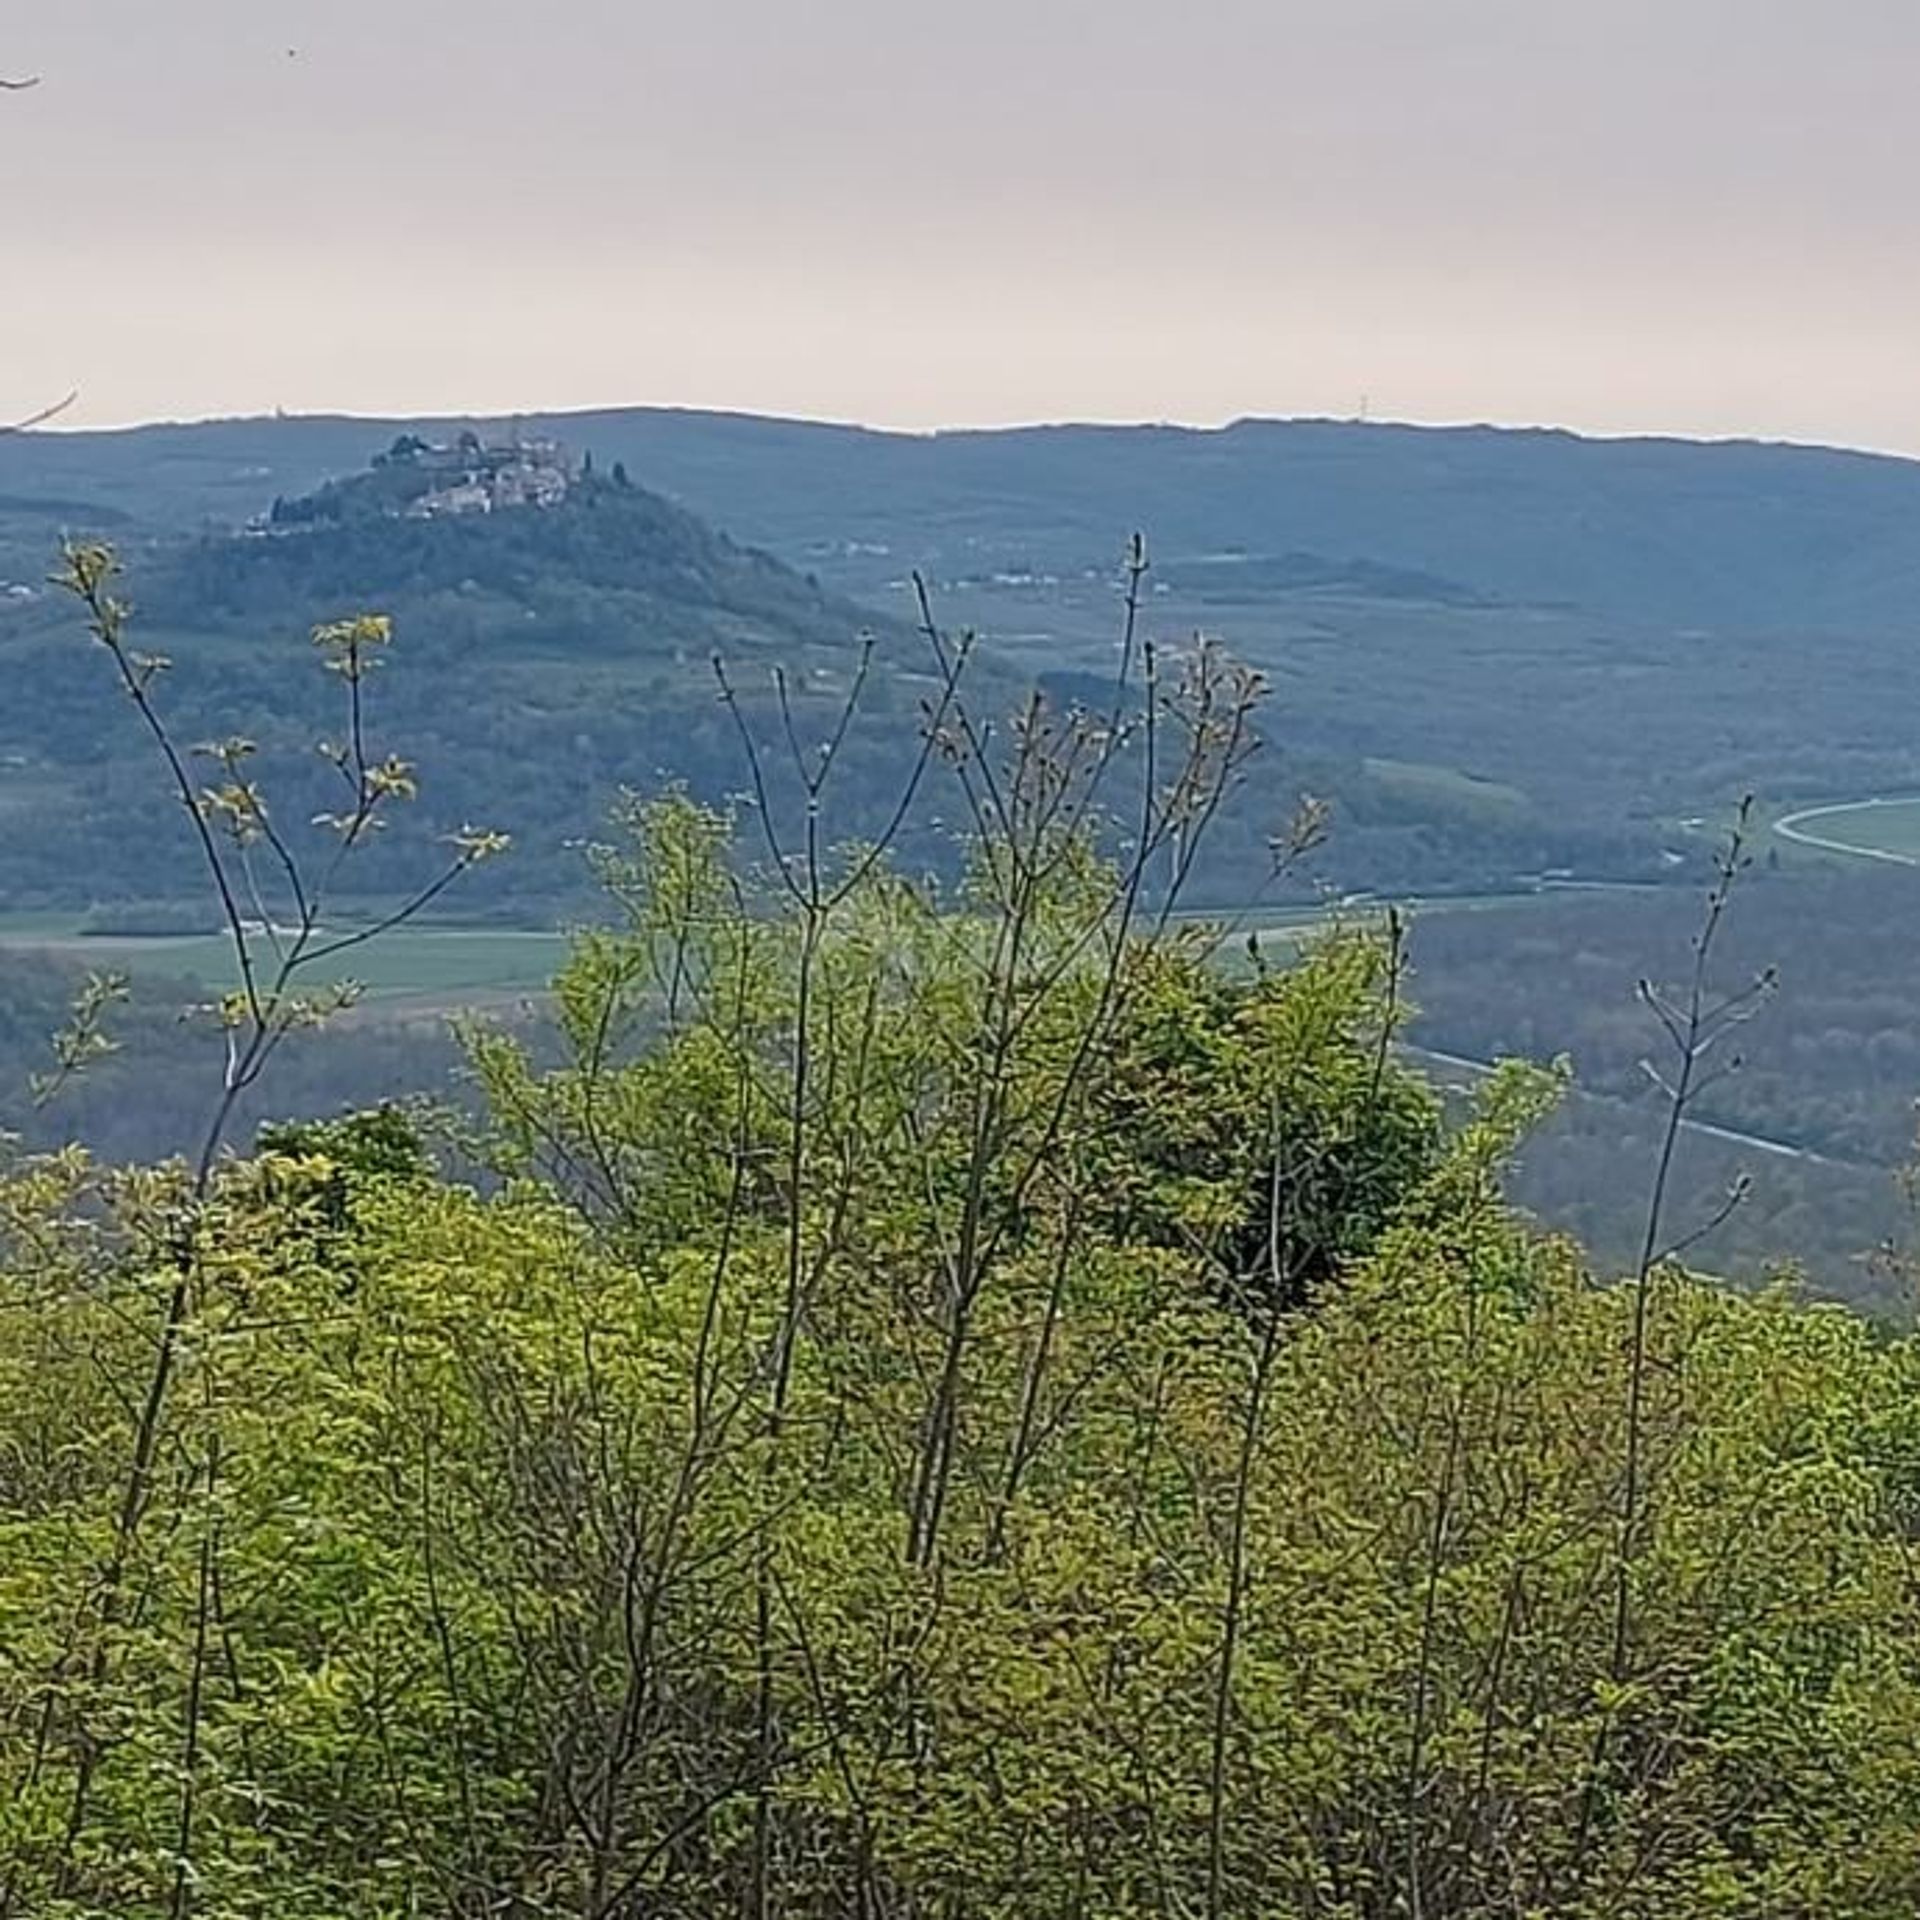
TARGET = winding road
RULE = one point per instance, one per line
(1793, 826)
(1705, 1129)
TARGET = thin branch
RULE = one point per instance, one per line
(1734, 1198)
(45, 414)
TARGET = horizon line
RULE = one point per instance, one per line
(66, 428)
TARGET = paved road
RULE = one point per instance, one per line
(1757, 1142)
(1794, 827)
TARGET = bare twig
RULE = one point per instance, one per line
(1693, 1025)
(41, 418)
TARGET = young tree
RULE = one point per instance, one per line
(275, 907)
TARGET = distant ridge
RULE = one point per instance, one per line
(1718, 535)
(1502, 654)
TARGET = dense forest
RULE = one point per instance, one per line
(930, 1393)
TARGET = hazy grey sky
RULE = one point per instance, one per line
(1696, 215)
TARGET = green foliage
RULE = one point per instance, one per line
(1213, 1082)
(950, 1402)
(84, 1040)
(383, 1142)
(858, 1462)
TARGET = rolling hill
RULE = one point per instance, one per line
(547, 657)
(1727, 535)
(1611, 637)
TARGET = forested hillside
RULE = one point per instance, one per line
(1736, 535)
(548, 659)
(553, 656)
(1501, 654)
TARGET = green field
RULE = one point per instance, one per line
(418, 967)
(1447, 787)
(411, 964)
(1879, 829)
(1285, 927)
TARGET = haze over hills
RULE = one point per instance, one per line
(1716, 534)
(550, 650)
(1502, 653)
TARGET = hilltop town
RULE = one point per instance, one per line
(420, 479)
(471, 476)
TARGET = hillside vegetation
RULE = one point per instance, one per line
(556, 654)
(552, 656)
(1732, 536)
(1617, 636)
(1506, 660)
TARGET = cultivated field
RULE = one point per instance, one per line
(417, 967)
(411, 963)
(1880, 829)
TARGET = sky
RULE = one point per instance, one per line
(1687, 216)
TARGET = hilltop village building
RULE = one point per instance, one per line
(472, 477)
(418, 479)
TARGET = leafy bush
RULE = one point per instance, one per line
(690, 1529)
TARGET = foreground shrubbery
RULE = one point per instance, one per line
(957, 1408)
(946, 1405)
